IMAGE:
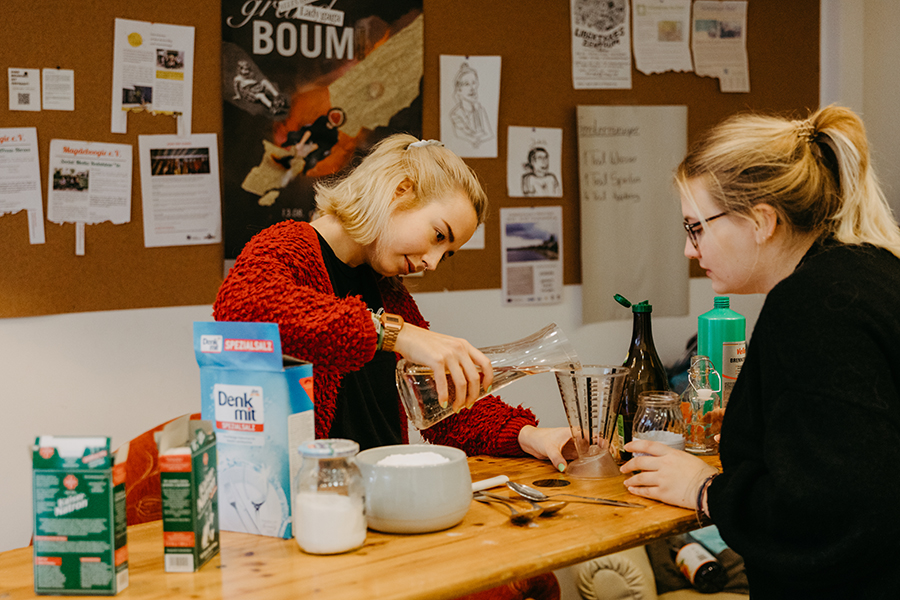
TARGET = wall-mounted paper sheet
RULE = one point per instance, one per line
(24, 89)
(20, 178)
(470, 101)
(632, 241)
(58, 89)
(89, 182)
(153, 70)
(180, 190)
(662, 29)
(719, 43)
(532, 246)
(533, 162)
(601, 44)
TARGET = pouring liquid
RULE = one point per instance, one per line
(418, 390)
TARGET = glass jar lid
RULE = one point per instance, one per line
(330, 448)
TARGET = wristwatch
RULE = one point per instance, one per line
(392, 325)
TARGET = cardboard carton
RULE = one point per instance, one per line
(261, 406)
(80, 533)
(188, 482)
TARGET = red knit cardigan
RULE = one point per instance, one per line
(280, 277)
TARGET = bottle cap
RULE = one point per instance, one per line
(330, 448)
(721, 302)
(640, 307)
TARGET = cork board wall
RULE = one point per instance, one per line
(531, 36)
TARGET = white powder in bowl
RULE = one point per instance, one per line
(414, 459)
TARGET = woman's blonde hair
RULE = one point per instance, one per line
(363, 200)
(816, 173)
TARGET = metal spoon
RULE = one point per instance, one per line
(517, 517)
(547, 509)
(538, 496)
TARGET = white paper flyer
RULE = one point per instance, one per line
(532, 248)
(662, 29)
(470, 103)
(180, 190)
(20, 178)
(601, 44)
(720, 43)
(534, 162)
(153, 70)
(24, 89)
(58, 89)
(632, 241)
(89, 182)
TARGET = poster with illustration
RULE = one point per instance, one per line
(533, 163)
(307, 86)
(470, 101)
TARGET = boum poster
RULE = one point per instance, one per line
(307, 87)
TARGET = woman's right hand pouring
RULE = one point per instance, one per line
(446, 354)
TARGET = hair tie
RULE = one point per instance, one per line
(807, 130)
(424, 143)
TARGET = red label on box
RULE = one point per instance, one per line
(175, 463)
(121, 555)
(54, 561)
(178, 539)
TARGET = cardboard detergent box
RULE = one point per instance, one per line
(189, 489)
(261, 407)
(80, 532)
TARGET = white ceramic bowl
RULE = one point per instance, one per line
(415, 499)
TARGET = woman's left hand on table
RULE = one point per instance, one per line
(548, 443)
(665, 474)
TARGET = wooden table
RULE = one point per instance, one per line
(483, 551)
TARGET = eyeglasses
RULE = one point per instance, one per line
(695, 229)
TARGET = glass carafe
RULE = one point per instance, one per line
(542, 352)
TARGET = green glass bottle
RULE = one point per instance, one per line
(646, 373)
(721, 335)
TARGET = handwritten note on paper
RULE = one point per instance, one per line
(632, 241)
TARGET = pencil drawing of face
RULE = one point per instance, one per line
(467, 83)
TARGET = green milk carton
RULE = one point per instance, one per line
(80, 533)
(190, 507)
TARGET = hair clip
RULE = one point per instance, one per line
(423, 143)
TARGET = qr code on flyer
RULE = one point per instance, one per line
(24, 98)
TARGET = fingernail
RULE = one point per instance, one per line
(561, 467)
(490, 387)
(443, 404)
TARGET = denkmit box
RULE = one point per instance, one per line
(261, 405)
(187, 477)
(80, 534)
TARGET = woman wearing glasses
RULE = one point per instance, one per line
(809, 493)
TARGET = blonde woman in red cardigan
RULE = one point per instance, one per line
(407, 206)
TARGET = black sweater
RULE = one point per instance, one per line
(810, 490)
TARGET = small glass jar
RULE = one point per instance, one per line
(701, 407)
(659, 419)
(329, 498)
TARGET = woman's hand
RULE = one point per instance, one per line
(468, 368)
(552, 443)
(668, 475)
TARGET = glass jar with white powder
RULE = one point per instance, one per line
(329, 508)
(659, 419)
